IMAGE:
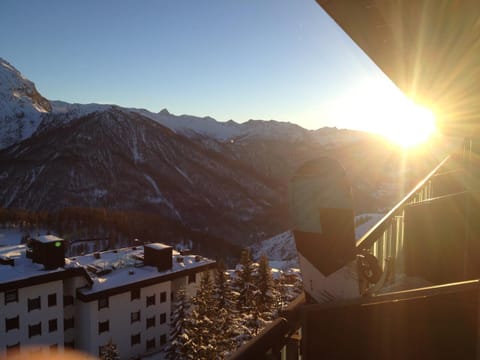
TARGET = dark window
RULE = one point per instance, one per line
(52, 325)
(67, 300)
(135, 316)
(34, 330)
(12, 349)
(150, 300)
(52, 300)
(192, 278)
(135, 339)
(12, 323)
(135, 294)
(34, 303)
(163, 296)
(103, 326)
(69, 344)
(102, 303)
(150, 321)
(163, 318)
(68, 323)
(163, 339)
(11, 296)
(150, 343)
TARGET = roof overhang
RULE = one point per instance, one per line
(429, 48)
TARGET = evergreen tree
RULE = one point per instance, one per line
(266, 293)
(244, 284)
(225, 311)
(109, 352)
(180, 344)
(202, 331)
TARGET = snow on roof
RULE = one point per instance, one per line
(114, 268)
(23, 267)
(108, 269)
(48, 238)
(157, 246)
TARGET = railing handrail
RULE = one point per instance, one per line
(367, 240)
(279, 329)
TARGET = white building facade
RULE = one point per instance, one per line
(121, 296)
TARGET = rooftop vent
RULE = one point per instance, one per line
(158, 255)
(48, 250)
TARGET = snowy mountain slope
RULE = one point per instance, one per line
(22, 109)
(118, 159)
(227, 179)
(21, 106)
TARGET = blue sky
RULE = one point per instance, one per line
(262, 59)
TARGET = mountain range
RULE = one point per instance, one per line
(224, 179)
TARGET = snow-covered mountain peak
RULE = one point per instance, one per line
(164, 112)
(21, 106)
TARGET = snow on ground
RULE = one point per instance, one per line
(281, 250)
(13, 236)
(362, 229)
(10, 237)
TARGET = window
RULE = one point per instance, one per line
(150, 321)
(163, 296)
(69, 344)
(12, 323)
(67, 300)
(163, 318)
(34, 303)
(103, 326)
(192, 278)
(135, 294)
(102, 303)
(52, 325)
(34, 330)
(11, 296)
(68, 323)
(150, 344)
(135, 339)
(150, 300)
(52, 300)
(163, 339)
(135, 316)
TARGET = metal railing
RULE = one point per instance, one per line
(385, 239)
(280, 339)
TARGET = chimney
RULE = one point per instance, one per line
(158, 255)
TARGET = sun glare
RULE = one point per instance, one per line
(412, 125)
(378, 106)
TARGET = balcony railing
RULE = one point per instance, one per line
(446, 184)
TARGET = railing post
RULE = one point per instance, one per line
(292, 347)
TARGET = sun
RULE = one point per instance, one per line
(378, 106)
(411, 125)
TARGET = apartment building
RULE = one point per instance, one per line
(84, 302)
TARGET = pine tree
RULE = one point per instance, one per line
(244, 283)
(265, 298)
(225, 311)
(180, 344)
(202, 331)
(109, 352)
